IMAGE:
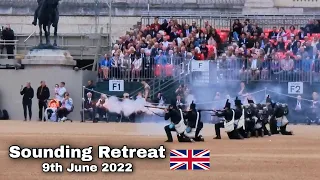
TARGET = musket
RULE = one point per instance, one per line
(163, 108)
(210, 110)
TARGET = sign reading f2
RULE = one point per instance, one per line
(295, 87)
(116, 85)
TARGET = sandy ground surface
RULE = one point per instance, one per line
(277, 157)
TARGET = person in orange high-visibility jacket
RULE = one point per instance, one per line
(51, 112)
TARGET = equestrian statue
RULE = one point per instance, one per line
(47, 14)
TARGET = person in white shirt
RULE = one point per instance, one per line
(56, 91)
(62, 90)
(254, 66)
(165, 42)
(137, 65)
(101, 107)
(66, 107)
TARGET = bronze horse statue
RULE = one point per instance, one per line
(48, 14)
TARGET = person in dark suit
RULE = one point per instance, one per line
(243, 40)
(8, 34)
(186, 31)
(273, 34)
(28, 94)
(147, 65)
(88, 107)
(43, 94)
(302, 33)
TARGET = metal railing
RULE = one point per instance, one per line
(224, 21)
(214, 71)
(10, 47)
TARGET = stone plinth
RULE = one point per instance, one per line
(48, 57)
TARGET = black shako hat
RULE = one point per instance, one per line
(237, 102)
(193, 106)
(227, 105)
(268, 100)
(250, 101)
(173, 103)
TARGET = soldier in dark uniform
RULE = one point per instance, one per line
(173, 113)
(251, 114)
(194, 121)
(238, 115)
(228, 115)
(279, 116)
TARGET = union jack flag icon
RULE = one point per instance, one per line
(190, 159)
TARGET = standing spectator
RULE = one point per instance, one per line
(236, 29)
(302, 33)
(56, 91)
(43, 95)
(8, 35)
(137, 66)
(62, 91)
(287, 65)
(146, 89)
(28, 94)
(105, 65)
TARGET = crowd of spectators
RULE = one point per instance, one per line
(165, 49)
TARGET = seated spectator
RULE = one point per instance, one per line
(101, 108)
(88, 107)
(299, 109)
(66, 107)
(292, 32)
(126, 66)
(236, 29)
(280, 45)
(282, 34)
(302, 34)
(273, 34)
(51, 112)
(116, 64)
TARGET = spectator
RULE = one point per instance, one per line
(287, 65)
(105, 65)
(43, 94)
(137, 66)
(8, 35)
(88, 107)
(280, 45)
(255, 66)
(302, 33)
(282, 34)
(56, 91)
(292, 32)
(236, 29)
(62, 91)
(146, 89)
(66, 107)
(273, 34)
(90, 88)
(28, 94)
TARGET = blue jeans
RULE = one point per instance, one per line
(236, 36)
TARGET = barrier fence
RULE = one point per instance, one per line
(225, 21)
(213, 71)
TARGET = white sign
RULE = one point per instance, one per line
(116, 85)
(295, 87)
(199, 66)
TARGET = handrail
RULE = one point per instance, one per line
(86, 66)
(8, 42)
(29, 36)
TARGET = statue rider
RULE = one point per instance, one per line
(35, 17)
